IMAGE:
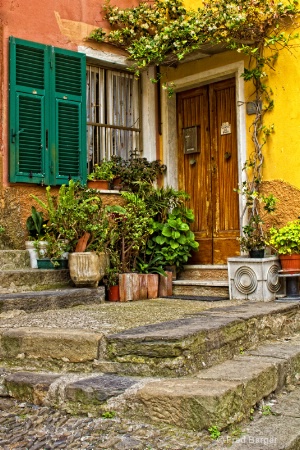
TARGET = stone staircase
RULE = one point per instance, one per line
(22, 287)
(208, 370)
(202, 281)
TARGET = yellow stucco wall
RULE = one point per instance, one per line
(282, 151)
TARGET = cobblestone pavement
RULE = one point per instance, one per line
(24, 426)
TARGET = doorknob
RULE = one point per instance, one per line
(227, 155)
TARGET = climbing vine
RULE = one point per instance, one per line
(164, 32)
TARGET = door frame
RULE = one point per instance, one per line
(169, 120)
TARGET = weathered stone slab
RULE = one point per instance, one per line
(43, 300)
(259, 377)
(274, 433)
(52, 343)
(28, 386)
(14, 259)
(33, 280)
(91, 394)
(189, 403)
(188, 345)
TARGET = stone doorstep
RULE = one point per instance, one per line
(221, 396)
(51, 299)
(201, 287)
(184, 346)
(204, 272)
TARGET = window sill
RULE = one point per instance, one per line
(108, 191)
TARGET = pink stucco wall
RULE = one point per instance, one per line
(61, 23)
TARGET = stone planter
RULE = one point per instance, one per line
(254, 279)
(87, 268)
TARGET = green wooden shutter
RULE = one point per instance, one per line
(47, 114)
(28, 82)
(69, 145)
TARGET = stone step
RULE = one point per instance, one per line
(14, 260)
(51, 299)
(184, 346)
(220, 396)
(170, 349)
(204, 288)
(24, 280)
(204, 272)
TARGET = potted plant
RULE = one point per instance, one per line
(36, 228)
(258, 206)
(286, 242)
(112, 282)
(172, 240)
(76, 216)
(102, 175)
(131, 172)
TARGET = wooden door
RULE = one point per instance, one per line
(208, 168)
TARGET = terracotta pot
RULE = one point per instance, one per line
(129, 287)
(117, 183)
(290, 262)
(114, 294)
(143, 278)
(165, 287)
(98, 184)
(152, 285)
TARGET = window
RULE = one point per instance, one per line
(47, 114)
(113, 114)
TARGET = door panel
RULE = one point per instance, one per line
(210, 175)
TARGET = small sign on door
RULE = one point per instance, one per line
(225, 128)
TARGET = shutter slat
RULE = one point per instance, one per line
(68, 139)
(30, 140)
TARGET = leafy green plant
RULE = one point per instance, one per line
(108, 415)
(154, 265)
(75, 211)
(266, 410)
(36, 224)
(214, 432)
(130, 226)
(137, 170)
(257, 208)
(103, 171)
(286, 240)
(173, 240)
